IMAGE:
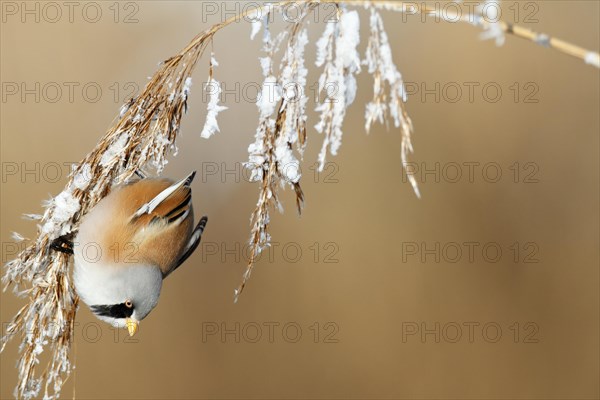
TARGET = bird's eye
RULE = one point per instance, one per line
(128, 304)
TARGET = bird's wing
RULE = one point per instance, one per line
(175, 195)
(193, 243)
(163, 224)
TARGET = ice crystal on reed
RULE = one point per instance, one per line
(116, 149)
(211, 126)
(293, 81)
(82, 178)
(381, 65)
(592, 58)
(187, 86)
(17, 237)
(489, 10)
(336, 50)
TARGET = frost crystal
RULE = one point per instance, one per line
(323, 44)
(337, 80)
(213, 87)
(489, 12)
(33, 217)
(348, 40)
(592, 58)
(17, 237)
(381, 65)
(82, 178)
(293, 80)
(187, 85)
(258, 18)
(115, 150)
(269, 96)
(64, 206)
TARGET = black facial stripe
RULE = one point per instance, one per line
(114, 311)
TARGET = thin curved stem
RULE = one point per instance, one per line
(588, 56)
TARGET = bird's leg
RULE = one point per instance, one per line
(63, 244)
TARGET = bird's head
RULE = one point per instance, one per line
(119, 295)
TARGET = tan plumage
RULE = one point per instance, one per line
(149, 238)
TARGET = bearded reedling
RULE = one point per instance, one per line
(128, 243)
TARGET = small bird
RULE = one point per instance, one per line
(129, 242)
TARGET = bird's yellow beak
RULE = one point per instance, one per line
(132, 326)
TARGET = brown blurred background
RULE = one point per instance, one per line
(341, 307)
